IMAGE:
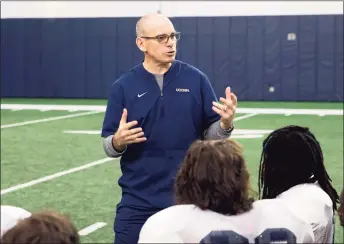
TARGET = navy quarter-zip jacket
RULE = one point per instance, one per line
(171, 119)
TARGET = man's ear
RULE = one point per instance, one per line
(140, 44)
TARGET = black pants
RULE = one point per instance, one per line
(128, 223)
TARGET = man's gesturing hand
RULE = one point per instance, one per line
(124, 135)
(227, 109)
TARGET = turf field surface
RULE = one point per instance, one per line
(52, 158)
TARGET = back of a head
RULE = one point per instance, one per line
(214, 176)
(291, 156)
(43, 227)
(341, 209)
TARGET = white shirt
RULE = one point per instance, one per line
(10, 216)
(189, 224)
(311, 204)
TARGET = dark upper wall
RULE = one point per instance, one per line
(81, 57)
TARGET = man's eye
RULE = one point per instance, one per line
(161, 38)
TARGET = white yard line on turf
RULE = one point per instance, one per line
(244, 116)
(102, 108)
(91, 228)
(97, 132)
(53, 176)
(247, 136)
(48, 119)
(87, 132)
(59, 174)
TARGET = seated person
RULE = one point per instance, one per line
(42, 227)
(214, 204)
(292, 169)
(341, 209)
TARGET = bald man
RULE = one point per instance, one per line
(154, 112)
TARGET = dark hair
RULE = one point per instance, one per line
(341, 209)
(214, 176)
(292, 155)
(43, 227)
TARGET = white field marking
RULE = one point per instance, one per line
(87, 132)
(235, 132)
(91, 228)
(97, 132)
(54, 176)
(291, 111)
(244, 116)
(15, 110)
(250, 132)
(247, 136)
(102, 108)
(48, 119)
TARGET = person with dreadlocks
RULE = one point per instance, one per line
(214, 204)
(341, 209)
(292, 169)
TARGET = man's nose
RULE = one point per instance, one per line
(170, 43)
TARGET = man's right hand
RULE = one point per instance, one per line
(124, 135)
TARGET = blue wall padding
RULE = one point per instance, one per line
(81, 58)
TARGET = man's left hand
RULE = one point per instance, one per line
(227, 109)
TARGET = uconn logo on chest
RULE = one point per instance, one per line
(182, 90)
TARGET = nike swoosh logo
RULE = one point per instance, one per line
(140, 95)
